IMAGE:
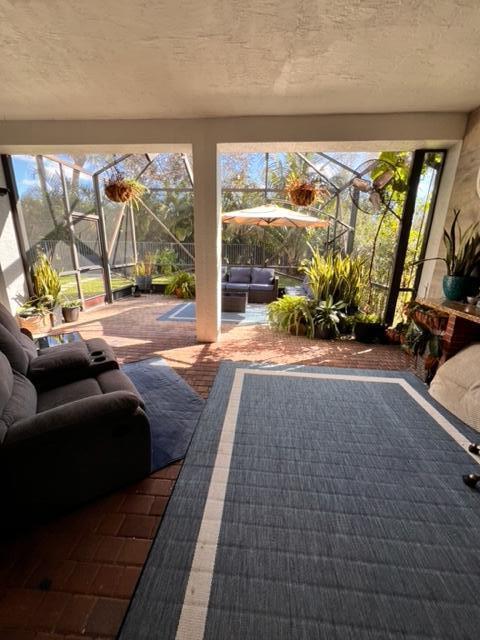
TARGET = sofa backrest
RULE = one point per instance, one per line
(14, 351)
(18, 348)
(262, 275)
(18, 397)
(240, 275)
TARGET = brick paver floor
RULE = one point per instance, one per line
(74, 576)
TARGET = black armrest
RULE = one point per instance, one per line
(86, 414)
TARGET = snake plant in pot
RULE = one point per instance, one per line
(462, 258)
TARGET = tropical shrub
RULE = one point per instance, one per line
(336, 276)
(181, 284)
(166, 261)
(292, 314)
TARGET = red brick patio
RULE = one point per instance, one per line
(73, 577)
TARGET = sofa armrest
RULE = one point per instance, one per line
(275, 287)
(59, 365)
(88, 413)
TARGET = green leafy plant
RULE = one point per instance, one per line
(181, 284)
(292, 314)
(72, 304)
(334, 275)
(166, 261)
(462, 248)
(367, 318)
(327, 317)
(145, 267)
(46, 282)
(33, 307)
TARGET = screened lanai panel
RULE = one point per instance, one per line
(41, 201)
(121, 247)
(80, 191)
(87, 242)
(167, 171)
(243, 170)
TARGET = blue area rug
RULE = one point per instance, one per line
(317, 503)
(185, 312)
(172, 406)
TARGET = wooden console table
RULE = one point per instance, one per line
(462, 327)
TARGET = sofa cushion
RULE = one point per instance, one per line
(262, 276)
(15, 352)
(456, 385)
(18, 398)
(237, 286)
(261, 287)
(29, 346)
(67, 393)
(240, 275)
(8, 321)
(6, 388)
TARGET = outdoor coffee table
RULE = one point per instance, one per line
(235, 301)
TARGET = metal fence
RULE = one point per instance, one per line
(89, 254)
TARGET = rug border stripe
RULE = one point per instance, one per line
(193, 616)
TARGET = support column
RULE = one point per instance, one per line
(208, 235)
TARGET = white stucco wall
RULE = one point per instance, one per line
(13, 288)
(464, 195)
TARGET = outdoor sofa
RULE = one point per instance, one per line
(260, 283)
(71, 429)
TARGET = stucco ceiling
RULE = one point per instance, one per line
(188, 58)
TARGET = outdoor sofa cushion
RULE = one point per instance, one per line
(237, 286)
(262, 275)
(456, 385)
(240, 275)
(260, 287)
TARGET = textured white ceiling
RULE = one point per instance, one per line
(192, 58)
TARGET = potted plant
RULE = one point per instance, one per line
(368, 328)
(118, 188)
(37, 313)
(425, 345)
(46, 284)
(34, 316)
(143, 273)
(462, 257)
(292, 314)
(71, 310)
(181, 284)
(326, 317)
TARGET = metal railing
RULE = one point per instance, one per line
(232, 254)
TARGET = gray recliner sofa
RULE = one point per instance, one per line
(71, 429)
(54, 365)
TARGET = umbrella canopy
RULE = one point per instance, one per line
(271, 215)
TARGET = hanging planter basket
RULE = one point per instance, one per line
(121, 189)
(302, 194)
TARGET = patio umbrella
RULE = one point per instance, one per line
(270, 215)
